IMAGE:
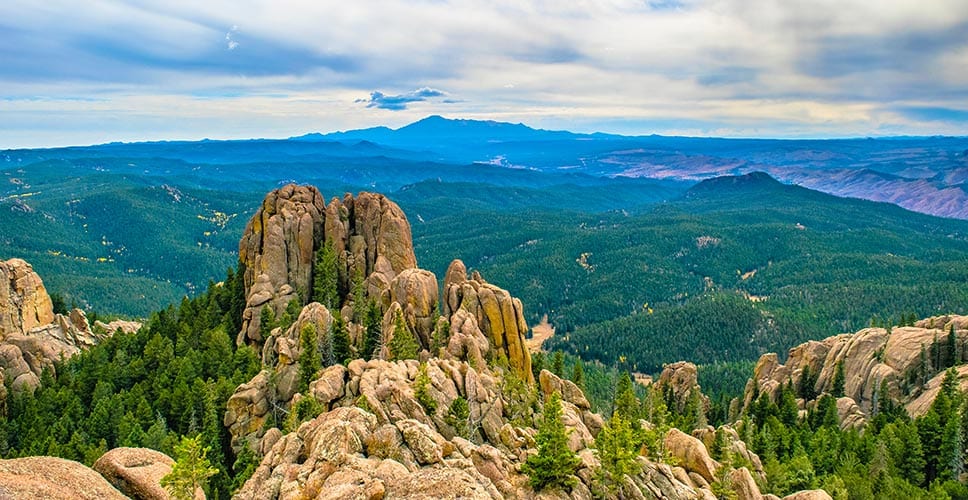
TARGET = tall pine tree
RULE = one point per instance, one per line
(555, 464)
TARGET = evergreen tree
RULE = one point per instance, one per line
(537, 363)
(421, 391)
(373, 331)
(326, 276)
(309, 361)
(951, 348)
(440, 336)
(626, 403)
(340, 338)
(616, 452)
(839, 380)
(558, 364)
(360, 301)
(190, 470)
(951, 462)
(458, 415)
(267, 321)
(403, 344)
(578, 374)
(808, 383)
(555, 464)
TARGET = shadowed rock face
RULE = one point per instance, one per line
(370, 234)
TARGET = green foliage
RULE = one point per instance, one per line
(458, 416)
(555, 464)
(839, 380)
(267, 321)
(626, 402)
(440, 336)
(245, 465)
(403, 344)
(309, 360)
(578, 374)
(616, 445)
(307, 408)
(373, 331)
(326, 276)
(340, 338)
(558, 364)
(421, 391)
(190, 470)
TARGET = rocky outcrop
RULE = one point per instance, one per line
(137, 472)
(24, 303)
(32, 337)
(682, 381)
(49, 477)
(873, 359)
(809, 495)
(376, 440)
(415, 290)
(369, 234)
(492, 311)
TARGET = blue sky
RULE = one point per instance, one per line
(98, 71)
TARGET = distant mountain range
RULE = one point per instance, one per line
(924, 174)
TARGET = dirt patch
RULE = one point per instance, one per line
(540, 332)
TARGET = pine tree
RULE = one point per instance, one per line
(951, 348)
(326, 276)
(309, 362)
(626, 402)
(555, 464)
(457, 417)
(839, 380)
(578, 374)
(403, 345)
(360, 302)
(267, 321)
(340, 338)
(373, 331)
(558, 364)
(441, 335)
(190, 470)
(421, 391)
(616, 452)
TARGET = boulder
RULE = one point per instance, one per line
(137, 472)
(49, 477)
(809, 495)
(416, 292)
(744, 485)
(691, 454)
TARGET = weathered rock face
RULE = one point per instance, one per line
(497, 315)
(873, 359)
(370, 234)
(691, 453)
(416, 292)
(32, 337)
(682, 379)
(49, 477)
(137, 472)
(24, 303)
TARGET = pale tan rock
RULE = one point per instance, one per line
(873, 359)
(551, 383)
(53, 478)
(498, 316)
(809, 495)
(691, 453)
(416, 292)
(744, 485)
(24, 302)
(137, 472)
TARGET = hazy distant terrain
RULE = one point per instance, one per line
(605, 234)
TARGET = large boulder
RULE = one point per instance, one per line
(137, 472)
(415, 290)
(49, 477)
(691, 454)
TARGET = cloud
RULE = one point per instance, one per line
(399, 102)
(820, 68)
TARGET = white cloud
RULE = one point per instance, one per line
(769, 65)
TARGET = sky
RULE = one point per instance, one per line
(77, 73)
